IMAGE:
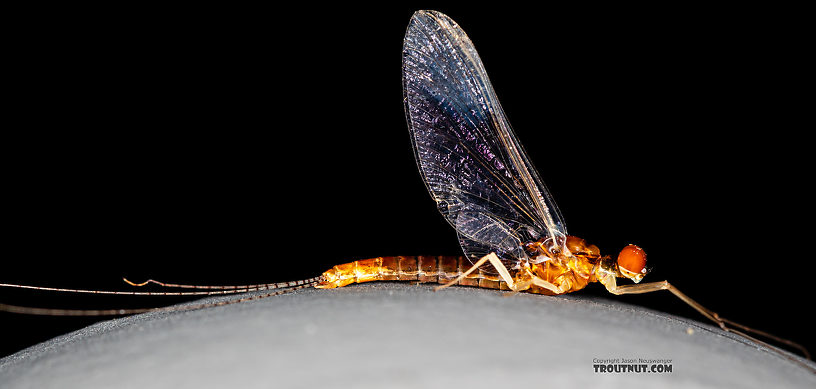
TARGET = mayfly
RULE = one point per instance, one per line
(510, 229)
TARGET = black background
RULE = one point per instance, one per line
(219, 146)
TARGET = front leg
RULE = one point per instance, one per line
(665, 285)
(711, 315)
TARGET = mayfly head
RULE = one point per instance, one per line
(632, 263)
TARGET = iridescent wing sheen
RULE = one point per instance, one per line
(472, 163)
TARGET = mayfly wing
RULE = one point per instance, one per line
(481, 233)
(470, 160)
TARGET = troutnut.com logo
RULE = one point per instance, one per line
(631, 365)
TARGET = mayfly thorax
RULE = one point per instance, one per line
(510, 229)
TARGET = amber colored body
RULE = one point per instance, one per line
(439, 269)
(573, 271)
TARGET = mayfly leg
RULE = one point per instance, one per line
(713, 316)
(505, 276)
(116, 312)
(494, 260)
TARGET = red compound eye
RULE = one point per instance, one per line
(632, 258)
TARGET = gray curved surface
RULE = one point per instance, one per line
(398, 336)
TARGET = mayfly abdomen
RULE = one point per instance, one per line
(440, 269)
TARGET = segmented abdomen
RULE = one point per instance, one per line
(441, 269)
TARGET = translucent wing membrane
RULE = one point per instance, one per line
(481, 233)
(472, 163)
